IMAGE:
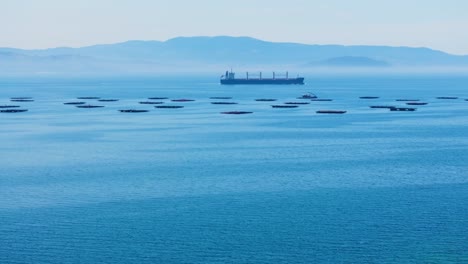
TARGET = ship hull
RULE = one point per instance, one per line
(299, 81)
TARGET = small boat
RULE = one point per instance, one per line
(297, 103)
(133, 111)
(321, 100)
(284, 106)
(108, 100)
(221, 97)
(88, 98)
(182, 100)
(447, 97)
(158, 98)
(223, 103)
(308, 96)
(403, 109)
(151, 102)
(369, 97)
(74, 103)
(9, 106)
(169, 106)
(13, 110)
(416, 103)
(21, 100)
(407, 100)
(89, 106)
(330, 112)
(382, 106)
(236, 112)
(265, 100)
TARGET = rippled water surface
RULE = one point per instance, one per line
(192, 185)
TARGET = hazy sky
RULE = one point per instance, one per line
(438, 24)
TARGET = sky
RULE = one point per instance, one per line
(37, 24)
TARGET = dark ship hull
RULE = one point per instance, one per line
(299, 81)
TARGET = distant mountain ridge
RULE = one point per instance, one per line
(222, 51)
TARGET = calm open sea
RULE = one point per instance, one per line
(192, 185)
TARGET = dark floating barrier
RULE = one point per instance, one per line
(88, 98)
(182, 100)
(9, 106)
(22, 100)
(407, 100)
(330, 112)
(265, 100)
(223, 103)
(236, 112)
(151, 102)
(13, 110)
(369, 97)
(221, 97)
(74, 103)
(416, 103)
(382, 106)
(321, 100)
(108, 100)
(447, 97)
(157, 98)
(89, 106)
(133, 111)
(284, 106)
(297, 103)
(169, 106)
(403, 109)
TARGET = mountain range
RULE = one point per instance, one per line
(217, 53)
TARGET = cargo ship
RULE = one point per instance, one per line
(229, 79)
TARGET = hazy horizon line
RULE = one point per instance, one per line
(232, 36)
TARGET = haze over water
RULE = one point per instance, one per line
(194, 186)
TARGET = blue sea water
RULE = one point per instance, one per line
(192, 185)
